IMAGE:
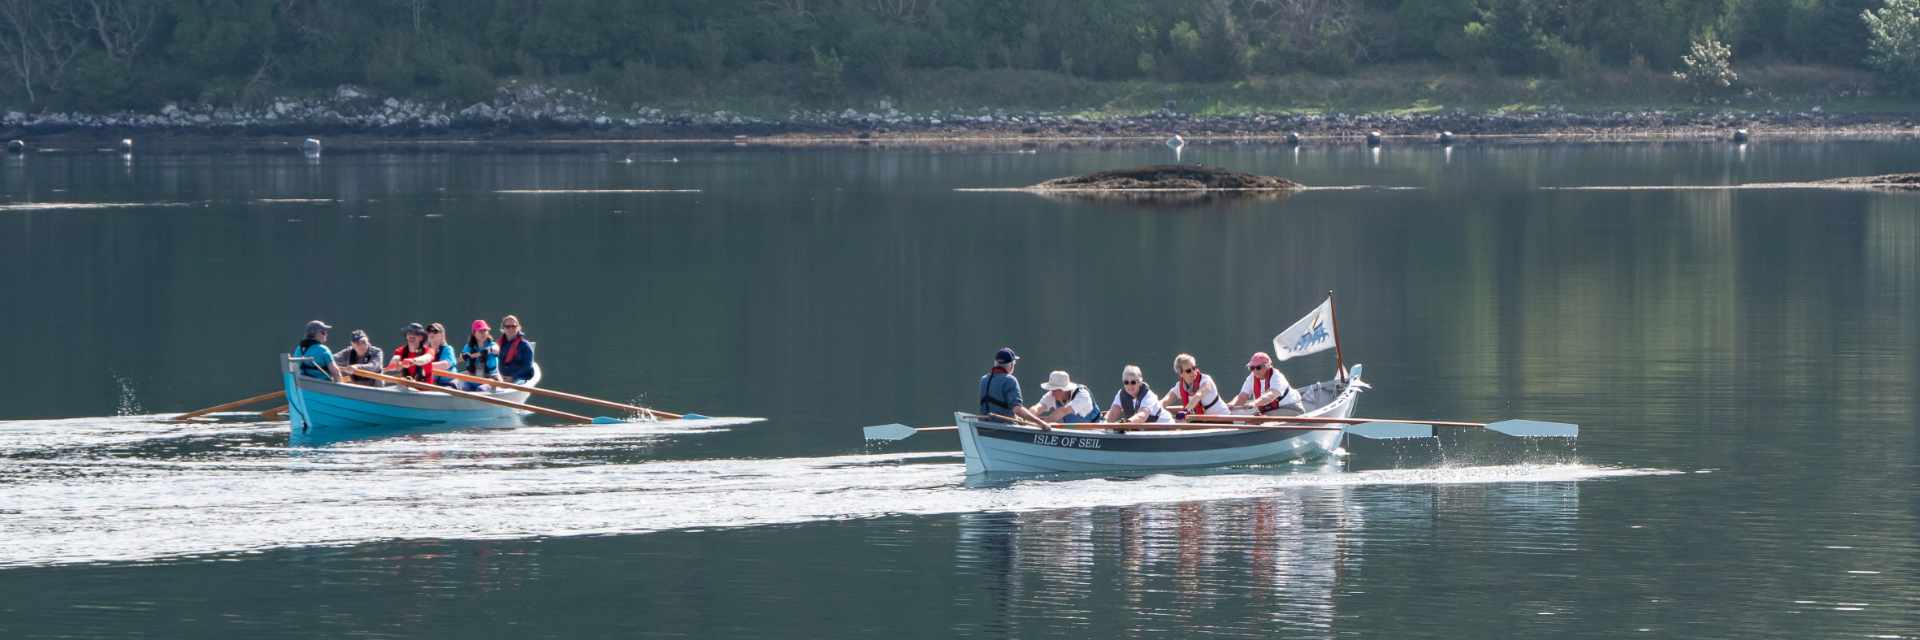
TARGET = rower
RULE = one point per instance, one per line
(1135, 401)
(1000, 392)
(405, 355)
(1266, 391)
(315, 346)
(480, 357)
(1066, 402)
(360, 354)
(440, 351)
(1194, 393)
(516, 352)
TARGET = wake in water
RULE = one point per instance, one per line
(71, 492)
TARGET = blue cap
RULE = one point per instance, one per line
(1005, 355)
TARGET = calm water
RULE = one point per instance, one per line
(1745, 364)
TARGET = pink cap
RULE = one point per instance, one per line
(1259, 357)
(481, 325)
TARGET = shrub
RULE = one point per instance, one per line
(1708, 68)
(1893, 43)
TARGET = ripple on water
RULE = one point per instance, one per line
(81, 505)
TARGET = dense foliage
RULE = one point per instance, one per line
(104, 54)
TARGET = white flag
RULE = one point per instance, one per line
(1312, 334)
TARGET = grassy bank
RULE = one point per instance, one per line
(770, 90)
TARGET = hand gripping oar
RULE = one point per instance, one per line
(264, 397)
(477, 397)
(1516, 428)
(569, 396)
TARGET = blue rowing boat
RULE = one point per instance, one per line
(322, 409)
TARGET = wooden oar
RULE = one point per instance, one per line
(476, 397)
(1516, 428)
(567, 396)
(275, 413)
(264, 397)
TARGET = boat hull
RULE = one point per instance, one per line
(997, 447)
(321, 409)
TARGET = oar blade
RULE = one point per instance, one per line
(1535, 429)
(1390, 430)
(895, 431)
(693, 416)
(607, 420)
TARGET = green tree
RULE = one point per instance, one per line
(1894, 43)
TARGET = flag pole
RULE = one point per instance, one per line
(1333, 315)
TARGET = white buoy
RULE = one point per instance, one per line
(16, 146)
(1740, 135)
(126, 145)
(1177, 144)
(1293, 139)
(1373, 138)
(1445, 137)
(310, 146)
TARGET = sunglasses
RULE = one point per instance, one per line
(509, 326)
(1130, 382)
(433, 331)
(1187, 371)
(1256, 367)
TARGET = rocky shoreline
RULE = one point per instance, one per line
(354, 118)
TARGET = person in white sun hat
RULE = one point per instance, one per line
(1065, 402)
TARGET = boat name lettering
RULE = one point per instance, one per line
(1072, 442)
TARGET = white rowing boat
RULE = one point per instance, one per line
(993, 446)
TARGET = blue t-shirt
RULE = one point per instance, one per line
(999, 393)
(322, 359)
(445, 355)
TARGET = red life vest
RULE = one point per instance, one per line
(513, 349)
(1186, 395)
(412, 371)
(1260, 388)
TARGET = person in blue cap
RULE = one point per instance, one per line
(1000, 391)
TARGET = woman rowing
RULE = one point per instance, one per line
(480, 357)
(1194, 394)
(1135, 401)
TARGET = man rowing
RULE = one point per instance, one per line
(1194, 393)
(1266, 391)
(1000, 392)
(1065, 402)
(1135, 401)
(314, 346)
(360, 354)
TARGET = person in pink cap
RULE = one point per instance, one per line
(1266, 391)
(481, 357)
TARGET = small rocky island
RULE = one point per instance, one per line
(1168, 177)
(1891, 181)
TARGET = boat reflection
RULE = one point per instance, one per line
(1284, 563)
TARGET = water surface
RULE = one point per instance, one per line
(1744, 363)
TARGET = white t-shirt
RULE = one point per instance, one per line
(1287, 395)
(1151, 403)
(1209, 402)
(1081, 402)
